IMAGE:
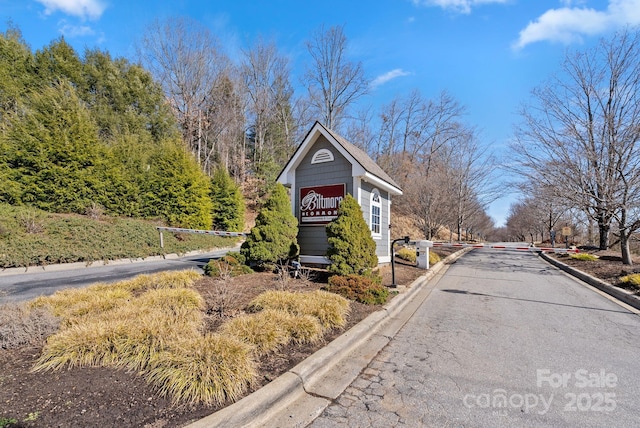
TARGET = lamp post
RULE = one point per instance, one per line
(393, 259)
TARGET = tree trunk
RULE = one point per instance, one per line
(603, 230)
(624, 248)
(624, 238)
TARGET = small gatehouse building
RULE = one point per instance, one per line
(323, 169)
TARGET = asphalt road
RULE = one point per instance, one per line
(36, 281)
(504, 340)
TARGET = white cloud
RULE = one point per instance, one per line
(70, 30)
(91, 9)
(461, 6)
(568, 24)
(386, 77)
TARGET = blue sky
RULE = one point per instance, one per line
(488, 54)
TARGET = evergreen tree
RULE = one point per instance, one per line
(176, 188)
(228, 202)
(352, 250)
(54, 152)
(16, 73)
(125, 100)
(59, 63)
(274, 237)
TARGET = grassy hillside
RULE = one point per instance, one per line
(30, 237)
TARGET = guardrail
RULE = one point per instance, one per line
(506, 247)
(201, 232)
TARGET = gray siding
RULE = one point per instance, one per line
(382, 243)
(313, 239)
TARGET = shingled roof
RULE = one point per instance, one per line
(361, 157)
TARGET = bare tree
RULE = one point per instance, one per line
(265, 75)
(360, 133)
(224, 141)
(428, 199)
(333, 82)
(469, 175)
(581, 136)
(187, 60)
(523, 219)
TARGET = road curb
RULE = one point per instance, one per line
(301, 394)
(99, 263)
(620, 294)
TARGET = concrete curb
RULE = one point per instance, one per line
(99, 263)
(300, 395)
(620, 294)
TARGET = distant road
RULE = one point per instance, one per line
(37, 282)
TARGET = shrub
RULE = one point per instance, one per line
(274, 237)
(227, 266)
(359, 288)
(584, 257)
(74, 238)
(433, 258)
(407, 254)
(352, 250)
(22, 325)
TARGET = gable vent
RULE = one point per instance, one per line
(322, 155)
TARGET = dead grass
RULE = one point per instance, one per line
(23, 325)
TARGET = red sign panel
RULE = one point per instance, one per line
(319, 204)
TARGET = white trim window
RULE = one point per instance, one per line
(375, 215)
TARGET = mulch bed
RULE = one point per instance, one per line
(608, 267)
(102, 397)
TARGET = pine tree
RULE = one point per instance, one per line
(176, 188)
(228, 202)
(54, 153)
(274, 237)
(352, 250)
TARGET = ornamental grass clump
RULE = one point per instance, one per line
(82, 345)
(433, 258)
(632, 280)
(584, 257)
(271, 328)
(407, 254)
(127, 337)
(179, 279)
(330, 309)
(129, 334)
(209, 369)
(264, 330)
(73, 305)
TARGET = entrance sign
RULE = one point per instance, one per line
(319, 204)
